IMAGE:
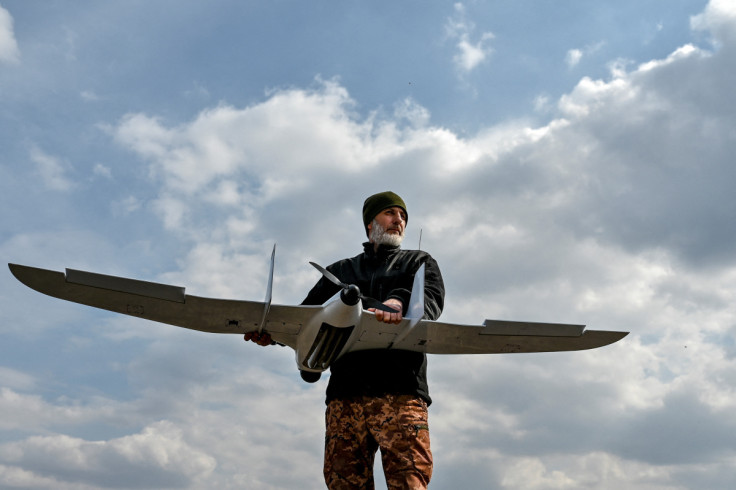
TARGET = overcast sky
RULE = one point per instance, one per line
(568, 161)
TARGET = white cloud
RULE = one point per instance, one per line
(718, 18)
(412, 112)
(23, 410)
(157, 457)
(89, 96)
(9, 51)
(102, 171)
(52, 170)
(213, 422)
(542, 103)
(14, 379)
(12, 477)
(470, 53)
(126, 206)
(248, 142)
(573, 57)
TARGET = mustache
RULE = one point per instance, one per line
(380, 235)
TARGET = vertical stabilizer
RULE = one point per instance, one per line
(416, 302)
(416, 306)
(269, 291)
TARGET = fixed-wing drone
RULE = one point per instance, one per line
(318, 334)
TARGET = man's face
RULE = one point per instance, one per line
(388, 227)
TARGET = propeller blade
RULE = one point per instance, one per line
(374, 303)
(367, 302)
(329, 275)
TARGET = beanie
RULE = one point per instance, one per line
(378, 202)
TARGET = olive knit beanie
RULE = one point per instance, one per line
(378, 202)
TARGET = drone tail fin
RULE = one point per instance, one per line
(269, 290)
(416, 302)
(416, 306)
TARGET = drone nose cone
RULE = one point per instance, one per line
(309, 376)
(350, 295)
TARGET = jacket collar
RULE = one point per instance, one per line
(383, 252)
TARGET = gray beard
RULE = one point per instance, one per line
(379, 236)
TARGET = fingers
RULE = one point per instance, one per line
(390, 317)
(386, 317)
(262, 338)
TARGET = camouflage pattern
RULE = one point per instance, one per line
(358, 427)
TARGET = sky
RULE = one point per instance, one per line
(566, 161)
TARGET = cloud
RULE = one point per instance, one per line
(102, 171)
(617, 213)
(51, 170)
(609, 214)
(627, 163)
(157, 457)
(89, 96)
(718, 18)
(9, 51)
(12, 378)
(654, 164)
(213, 421)
(470, 53)
(21, 410)
(573, 57)
(233, 174)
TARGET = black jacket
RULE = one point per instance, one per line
(387, 273)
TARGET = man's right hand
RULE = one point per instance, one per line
(387, 317)
(262, 338)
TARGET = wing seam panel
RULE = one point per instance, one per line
(124, 285)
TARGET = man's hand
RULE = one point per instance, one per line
(263, 338)
(385, 316)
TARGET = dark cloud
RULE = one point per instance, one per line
(657, 161)
(683, 431)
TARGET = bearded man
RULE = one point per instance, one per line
(379, 398)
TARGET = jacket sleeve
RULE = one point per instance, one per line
(434, 290)
(321, 292)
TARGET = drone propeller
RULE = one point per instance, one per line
(351, 293)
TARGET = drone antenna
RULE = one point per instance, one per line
(420, 239)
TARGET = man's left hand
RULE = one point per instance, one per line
(387, 317)
(260, 338)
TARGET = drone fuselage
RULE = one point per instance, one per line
(328, 334)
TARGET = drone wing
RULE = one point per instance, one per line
(166, 304)
(492, 337)
(169, 304)
(503, 337)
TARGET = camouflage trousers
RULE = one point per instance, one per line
(358, 427)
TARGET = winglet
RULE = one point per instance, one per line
(416, 302)
(269, 291)
(416, 306)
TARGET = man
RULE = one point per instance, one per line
(379, 398)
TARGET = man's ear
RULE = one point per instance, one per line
(369, 227)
